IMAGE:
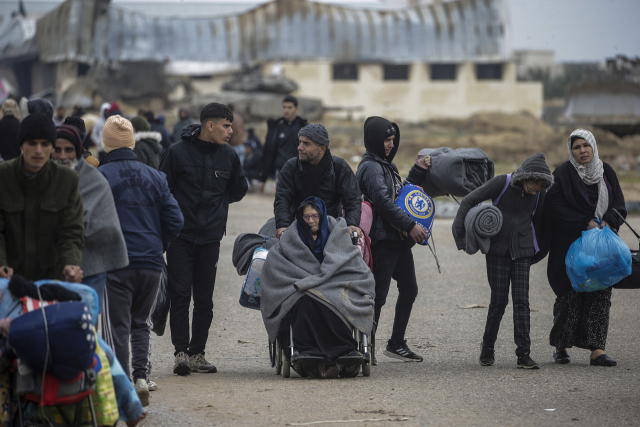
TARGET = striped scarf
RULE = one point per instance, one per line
(592, 172)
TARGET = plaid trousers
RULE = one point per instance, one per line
(500, 271)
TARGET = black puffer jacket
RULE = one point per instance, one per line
(375, 179)
(337, 189)
(204, 178)
(516, 235)
(148, 148)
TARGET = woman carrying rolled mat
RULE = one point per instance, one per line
(585, 189)
(520, 198)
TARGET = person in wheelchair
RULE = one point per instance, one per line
(317, 289)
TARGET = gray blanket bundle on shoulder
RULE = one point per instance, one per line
(456, 172)
(481, 224)
(343, 282)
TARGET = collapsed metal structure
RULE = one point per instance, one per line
(462, 30)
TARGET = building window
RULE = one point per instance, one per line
(396, 72)
(489, 71)
(345, 72)
(83, 69)
(443, 71)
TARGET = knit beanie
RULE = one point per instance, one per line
(71, 134)
(117, 133)
(37, 126)
(11, 108)
(534, 168)
(140, 124)
(315, 132)
(78, 123)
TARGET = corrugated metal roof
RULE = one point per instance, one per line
(279, 30)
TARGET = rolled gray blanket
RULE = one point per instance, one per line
(456, 172)
(481, 224)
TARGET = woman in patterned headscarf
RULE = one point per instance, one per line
(585, 192)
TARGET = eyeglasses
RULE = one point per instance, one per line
(315, 217)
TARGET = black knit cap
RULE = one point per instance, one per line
(37, 126)
(71, 134)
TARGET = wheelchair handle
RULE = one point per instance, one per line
(354, 238)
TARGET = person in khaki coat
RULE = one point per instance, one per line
(41, 212)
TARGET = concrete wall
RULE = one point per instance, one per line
(418, 98)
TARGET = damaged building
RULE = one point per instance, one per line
(414, 63)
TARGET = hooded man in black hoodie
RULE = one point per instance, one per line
(380, 182)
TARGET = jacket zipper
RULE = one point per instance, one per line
(513, 225)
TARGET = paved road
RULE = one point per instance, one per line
(448, 388)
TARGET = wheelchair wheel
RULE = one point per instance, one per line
(366, 367)
(279, 358)
(286, 368)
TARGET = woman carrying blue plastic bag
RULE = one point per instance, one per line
(585, 189)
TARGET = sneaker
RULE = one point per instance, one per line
(181, 365)
(487, 356)
(198, 363)
(402, 352)
(152, 385)
(527, 362)
(142, 388)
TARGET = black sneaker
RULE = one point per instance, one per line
(486, 356)
(527, 362)
(402, 352)
(561, 357)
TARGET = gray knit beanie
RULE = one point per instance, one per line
(315, 132)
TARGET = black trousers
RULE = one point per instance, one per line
(500, 271)
(130, 294)
(191, 269)
(394, 260)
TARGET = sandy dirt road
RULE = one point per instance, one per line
(448, 388)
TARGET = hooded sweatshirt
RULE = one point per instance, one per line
(96, 132)
(521, 229)
(379, 181)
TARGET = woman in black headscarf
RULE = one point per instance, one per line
(586, 189)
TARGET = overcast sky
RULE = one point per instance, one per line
(577, 30)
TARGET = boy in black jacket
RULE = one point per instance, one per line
(204, 175)
(512, 251)
(380, 182)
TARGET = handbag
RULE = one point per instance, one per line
(632, 281)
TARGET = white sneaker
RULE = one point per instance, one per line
(142, 388)
(152, 386)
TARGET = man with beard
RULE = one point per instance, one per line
(315, 172)
(104, 246)
(41, 230)
(380, 182)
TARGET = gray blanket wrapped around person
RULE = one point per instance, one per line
(481, 224)
(343, 282)
(456, 172)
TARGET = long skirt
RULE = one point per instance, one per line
(581, 319)
(317, 331)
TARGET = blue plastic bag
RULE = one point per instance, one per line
(597, 260)
(419, 206)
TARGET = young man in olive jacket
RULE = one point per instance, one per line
(380, 182)
(41, 213)
(205, 175)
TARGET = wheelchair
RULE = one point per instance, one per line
(282, 365)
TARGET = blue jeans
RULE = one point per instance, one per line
(97, 282)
